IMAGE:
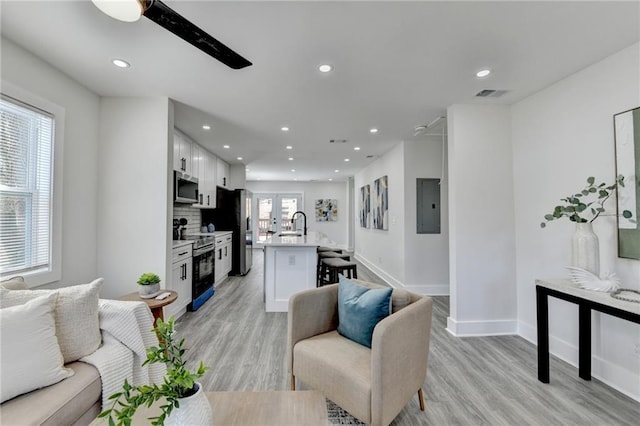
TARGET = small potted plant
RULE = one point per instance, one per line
(148, 285)
(182, 400)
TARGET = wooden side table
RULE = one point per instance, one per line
(154, 304)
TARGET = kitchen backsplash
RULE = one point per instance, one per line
(192, 215)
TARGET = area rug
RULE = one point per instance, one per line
(338, 416)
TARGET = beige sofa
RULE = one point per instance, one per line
(73, 401)
(102, 341)
(373, 384)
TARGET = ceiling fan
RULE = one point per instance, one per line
(423, 129)
(163, 15)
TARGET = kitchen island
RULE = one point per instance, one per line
(290, 266)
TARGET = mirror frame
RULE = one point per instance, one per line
(626, 130)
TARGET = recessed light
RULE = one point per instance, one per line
(330, 179)
(284, 129)
(289, 147)
(226, 146)
(483, 73)
(346, 160)
(374, 130)
(336, 171)
(293, 170)
(325, 68)
(295, 178)
(247, 169)
(290, 158)
(120, 63)
(206, 127)
(356, 148)
(239, 158)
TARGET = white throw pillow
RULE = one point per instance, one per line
(15, 283)
(76, 316)
(31, 356)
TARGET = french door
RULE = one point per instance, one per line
(273, 213)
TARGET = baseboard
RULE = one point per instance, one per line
(379, 272)
(429, 289)
(481, 328)
(612, 375)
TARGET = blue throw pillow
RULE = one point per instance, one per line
(360, 309)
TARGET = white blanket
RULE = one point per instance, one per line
(127, 332)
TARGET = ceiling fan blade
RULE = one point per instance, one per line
(169, 19)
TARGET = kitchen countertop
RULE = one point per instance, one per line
(209, 234)
(312, 239)
(181, 243)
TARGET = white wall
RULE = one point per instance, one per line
(312, 191)
(561, 136)
(135, 208)
(80, 180)
(481, 221)
(426, 255)
(383, 251)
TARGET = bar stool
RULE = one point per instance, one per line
(331, 267)
(327, 255)
(325, 249)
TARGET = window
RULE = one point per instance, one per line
(27, 140)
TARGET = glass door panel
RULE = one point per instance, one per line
(274, 212)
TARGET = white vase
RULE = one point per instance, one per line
(585, 251)
(194, 410)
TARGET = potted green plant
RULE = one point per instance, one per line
(583, 208)
(182, 399)
(148, 285)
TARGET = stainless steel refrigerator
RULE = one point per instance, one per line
(233, 213)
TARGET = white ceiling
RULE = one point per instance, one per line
(397, 65)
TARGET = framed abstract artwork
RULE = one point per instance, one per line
(326, 210)
(365, 206)
(381, 203)
(627, 145)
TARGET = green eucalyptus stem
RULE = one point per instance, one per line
(578, 206)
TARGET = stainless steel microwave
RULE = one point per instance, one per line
(185, 188)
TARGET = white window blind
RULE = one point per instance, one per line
(26, 160)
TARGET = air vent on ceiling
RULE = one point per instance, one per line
(337, 141)
(490, 93)
(370, 156)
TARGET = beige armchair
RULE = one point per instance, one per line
(373, 384)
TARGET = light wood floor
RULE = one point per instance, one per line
(470, 381)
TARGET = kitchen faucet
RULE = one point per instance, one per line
(304, 216)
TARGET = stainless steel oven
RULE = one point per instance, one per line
(203, 271)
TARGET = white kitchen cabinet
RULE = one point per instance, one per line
(207, 166)
(224, 255)
(181, 153)
(222, 179)
(181, 281)
(196, 160)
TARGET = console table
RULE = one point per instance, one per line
(586, 300)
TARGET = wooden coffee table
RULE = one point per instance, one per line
(268, 408)
(279, 408)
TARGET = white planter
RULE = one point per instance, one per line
(585, 250)
(149, 291)
(194, 410)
